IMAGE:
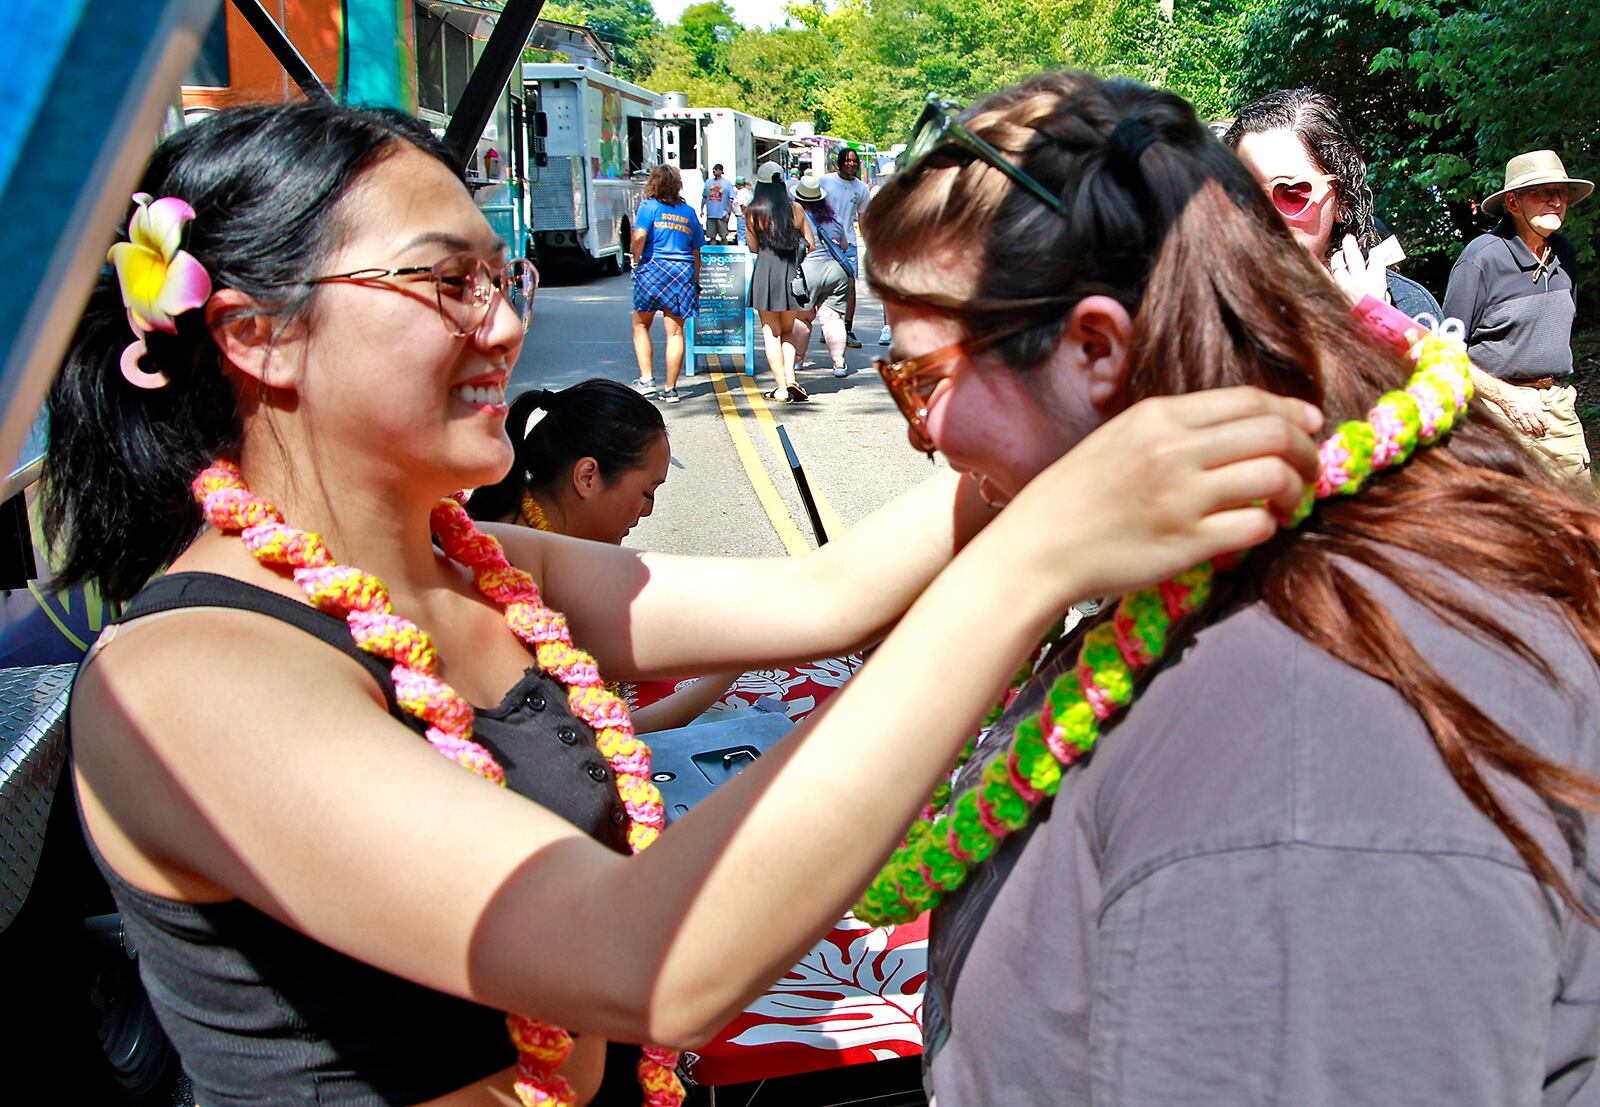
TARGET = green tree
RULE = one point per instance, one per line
(1331, 46)
(706, 30)
(1502, 77)
(628, 27)
(1197, 52)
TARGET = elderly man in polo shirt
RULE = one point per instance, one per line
(1513, 289)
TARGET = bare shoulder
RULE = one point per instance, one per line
(180, 710)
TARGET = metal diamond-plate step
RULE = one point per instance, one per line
(33, 706)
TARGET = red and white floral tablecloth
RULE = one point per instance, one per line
(857, 996)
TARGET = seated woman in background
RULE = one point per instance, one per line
(1339, 848)
(590, 467)
(1297, 146)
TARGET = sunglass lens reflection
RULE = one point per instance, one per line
(1292, 197)
(520, 283)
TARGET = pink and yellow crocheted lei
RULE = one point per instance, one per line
(943, 846)
(364, 604)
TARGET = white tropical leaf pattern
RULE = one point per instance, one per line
(864, 994)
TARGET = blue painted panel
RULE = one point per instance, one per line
(81, 102)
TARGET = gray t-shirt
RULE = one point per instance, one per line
(1265, 888)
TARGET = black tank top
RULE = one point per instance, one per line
(262, 1014)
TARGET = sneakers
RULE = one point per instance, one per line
(670, 396)
(851, 340)
(885, 336)
(645, 388)
(840, 371)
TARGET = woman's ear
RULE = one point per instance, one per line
(586, 480)
(250, 342)
(1099, 335)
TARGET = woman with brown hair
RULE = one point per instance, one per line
(1336, 850)
(667, 237)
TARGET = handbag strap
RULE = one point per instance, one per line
(838, 255)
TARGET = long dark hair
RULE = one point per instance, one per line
(1170, 224)
(770, 214)
(1315, 121)
(598, 418)
(819, 209)
(266, 185)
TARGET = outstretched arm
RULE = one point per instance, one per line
(299, 794)
(646, 615)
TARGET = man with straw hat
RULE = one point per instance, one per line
(1513, 289)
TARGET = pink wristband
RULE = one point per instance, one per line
(1386, 322)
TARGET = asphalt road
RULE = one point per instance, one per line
(730, 490)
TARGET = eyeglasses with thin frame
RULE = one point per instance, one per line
(1293, 195)
(464, 288)
(940, 125)
(912, 380)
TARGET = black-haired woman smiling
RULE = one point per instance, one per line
(269, 748)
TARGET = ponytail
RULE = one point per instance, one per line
(266, 185)
(598, 418)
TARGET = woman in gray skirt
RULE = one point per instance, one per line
(779, 236)
(827, 280)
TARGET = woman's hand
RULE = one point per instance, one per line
(1165, 485)
(1356, 275)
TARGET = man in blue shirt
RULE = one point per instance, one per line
(847, 195)
(716, 200)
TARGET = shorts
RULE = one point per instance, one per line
(827, 283)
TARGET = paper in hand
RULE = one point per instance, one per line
(1387, 253)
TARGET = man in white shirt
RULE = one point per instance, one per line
(742, 195)
(847, 195)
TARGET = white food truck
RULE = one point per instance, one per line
(695, 139)
(595, 140)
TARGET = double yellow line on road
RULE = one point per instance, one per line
(760, 479)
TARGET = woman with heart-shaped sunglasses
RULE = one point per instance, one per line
(1298, 148)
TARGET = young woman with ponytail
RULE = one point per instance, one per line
(1316, 828)
(590, 467)
(326, 909)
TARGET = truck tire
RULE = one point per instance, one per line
(625, 259)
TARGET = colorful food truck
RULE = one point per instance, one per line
(598, 140)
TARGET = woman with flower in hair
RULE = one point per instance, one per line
(1314, 828)
(373, 820)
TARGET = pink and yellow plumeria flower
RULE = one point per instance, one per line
(159, 281)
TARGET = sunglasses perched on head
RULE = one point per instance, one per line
(940, 126)
(1293, 195)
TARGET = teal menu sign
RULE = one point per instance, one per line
(723, 322)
